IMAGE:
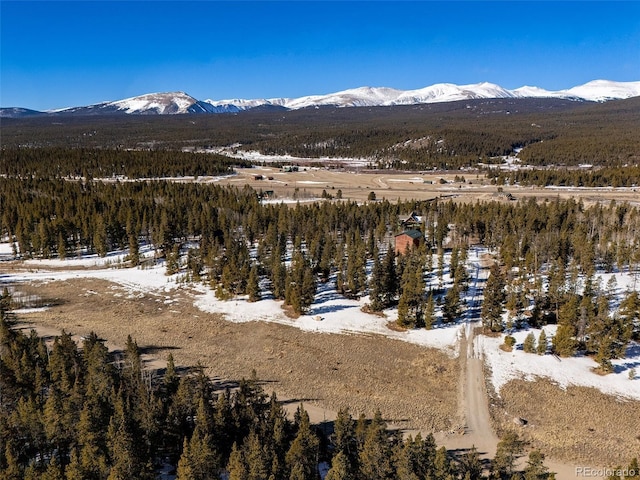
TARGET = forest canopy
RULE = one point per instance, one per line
(417, 137)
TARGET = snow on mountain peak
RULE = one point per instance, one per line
(603, 90)
(160, 103)
(181, 103)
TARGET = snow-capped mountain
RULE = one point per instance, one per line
(150, 104)
(598, 90)
(604, 90)
(181, 103)
(161, 103)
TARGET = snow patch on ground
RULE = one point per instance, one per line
(134, 280)
(330, 313)
(255, 156)
(577, 371)
(409, 180)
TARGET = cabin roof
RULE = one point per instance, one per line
(415, 234)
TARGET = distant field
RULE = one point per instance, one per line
(357, 184)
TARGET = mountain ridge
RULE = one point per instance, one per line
(175, 103)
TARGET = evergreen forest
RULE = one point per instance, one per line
(548, 252)
(442, 136)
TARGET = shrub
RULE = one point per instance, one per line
(509, 342)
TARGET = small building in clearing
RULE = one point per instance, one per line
(406, 240)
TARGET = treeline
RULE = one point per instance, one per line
(624, 176)
(417, 137)
(91, 163)
(98, 217)
(86, 413)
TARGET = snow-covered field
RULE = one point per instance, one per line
(255, 156)
(332, 313)
(577, 371)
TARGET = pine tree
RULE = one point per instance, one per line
(607, 335)
(73, 470)
(13, 469)
(58, 429)
(62, 246)
(569, 312)
(429, 313)
(557, 283)
(100, 236)
(344, 435)
(542, 343)
(375, 456)
(443, 467)
(376, 287)
(308, 289)
(134, 250)
(529, 345)
(237, 467)
(203, 460)
(536, 469)
(411, 304)
(170, 379)
(494, 297)
(257, 458)
(302, 457)
(629, 313)
(509, 447)
(278, 279)
(184, 471)
(451, 307)
(471, 465)
(300, 287)
(340, 468)
(563, 342)
(253, 287)
(356, 262)
(173, 259)
(125, 452)
(389, 278)
(605, 354)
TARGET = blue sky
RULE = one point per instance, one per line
(58, 54)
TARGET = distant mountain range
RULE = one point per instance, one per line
(181, 103)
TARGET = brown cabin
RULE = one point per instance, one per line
(406, 240)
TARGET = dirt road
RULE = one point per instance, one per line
(475, 427)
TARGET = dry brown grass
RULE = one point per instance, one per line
(578, 424)
(412, 386)
(356, 184)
